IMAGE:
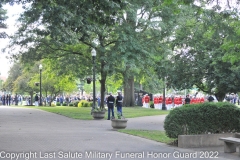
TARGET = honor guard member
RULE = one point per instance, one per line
(155, 101)
(147, 100)
(180, 101)
(110, 104)
(169, 103)
(119, 101)
(202, 100)
(160, 99)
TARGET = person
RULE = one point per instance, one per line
(155, 102)
(67, 100)
(8, 100)
(16, 99)
(146, 100)
(210, 98)
(29, 100)
(61, 100)
(187, 100)
(99, 101)
(49, 100)
(4, 100)
(119, 101)
(110, 104)
(20, 99)
(36, 100)
(160, 100)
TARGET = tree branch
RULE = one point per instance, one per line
(60, 49)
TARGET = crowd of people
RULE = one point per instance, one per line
(170, 101)
(61, 99)
(8, 99)
(173, 101)
(17, 99)
(232, 98)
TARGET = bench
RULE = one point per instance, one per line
(230, 144)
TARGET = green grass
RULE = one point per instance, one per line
(71, 112)
(158, 136)
(132, 112)
(84, 113)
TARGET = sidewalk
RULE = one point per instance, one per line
(34, 134)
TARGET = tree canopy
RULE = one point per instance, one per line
(187, 42)
(3, 17)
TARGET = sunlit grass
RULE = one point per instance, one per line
(158, 136)
(85, 113)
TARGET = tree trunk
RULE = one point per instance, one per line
(103, 83)
(129, 99)
(220, 96)
(31, 95)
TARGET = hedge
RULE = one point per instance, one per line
(75, 103)
(85, 103)
(204, 118)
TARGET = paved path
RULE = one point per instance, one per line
(35, 134)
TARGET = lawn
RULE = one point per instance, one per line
(158, 136)
(84, 113)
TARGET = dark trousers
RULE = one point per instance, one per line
(119, 109)
(110, 109)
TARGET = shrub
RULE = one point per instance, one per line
(79, 104)
(151, 104)
(75, 103)
(84, 103)
(202, 118)
(71, 104)
(58, 104)
(90, 104)
(64, 104)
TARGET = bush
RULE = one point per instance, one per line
(84, 103)
(75, 103)
(71, 104)
(90, 104)
(64, 104)
(151, 104)
(58, 104)
(202, 118)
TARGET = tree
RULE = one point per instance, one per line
(70, 23)
(22, 79)
(14, 72)
(3, 17)
(53, 83)
(129, 43)
(197, 54)
(141, 34)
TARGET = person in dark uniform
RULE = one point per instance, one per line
(210, 98)
(119, 101)
(110, 104)
(36, 100)
(4, 100)
(187, 100)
